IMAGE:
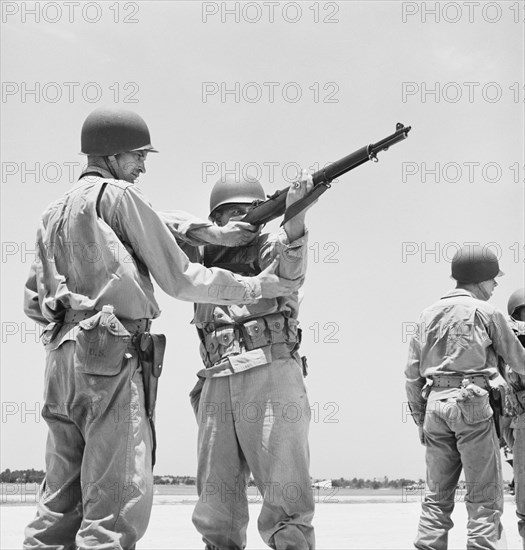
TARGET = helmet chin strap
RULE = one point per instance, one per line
(112, 165)
(484, 294)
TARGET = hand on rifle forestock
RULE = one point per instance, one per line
(294, 227)
(300, 189)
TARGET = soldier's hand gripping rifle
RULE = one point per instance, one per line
(275, 206)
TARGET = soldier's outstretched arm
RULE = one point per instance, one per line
(154, 245)
(196, 232)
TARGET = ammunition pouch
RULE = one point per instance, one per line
(151, 348)
(475, 406)
(227, 340)
(101, 343)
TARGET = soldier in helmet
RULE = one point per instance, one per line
(516, 310)
(91, 288)
(452, 366)
(253, 412)
(515, 435)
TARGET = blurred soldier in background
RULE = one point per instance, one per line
(452, 367)
(515, 434)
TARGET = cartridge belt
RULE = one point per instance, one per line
(455, 381)
(260, 332)
(136, 326)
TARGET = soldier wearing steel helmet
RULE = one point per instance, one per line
(453, 363)
(91, 288)
(515, 434)
(516, 311)
(253, 412)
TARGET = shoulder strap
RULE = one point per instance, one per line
(101, 192)
(99, 198)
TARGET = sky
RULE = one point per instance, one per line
(261, 89)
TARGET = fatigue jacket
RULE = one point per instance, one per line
(459, 334)
(87, 259)
(516, 398)
(517, 381)
(248, 260)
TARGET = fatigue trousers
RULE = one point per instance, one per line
(518, 452)
(255, 421)
(453, 444)
(98, 488)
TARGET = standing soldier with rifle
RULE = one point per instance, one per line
(253, 412)
(91, 288)
(515, 435)
(452, 367)
(253, 376)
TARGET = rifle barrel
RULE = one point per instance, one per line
(275, 206)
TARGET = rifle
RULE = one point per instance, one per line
(275, 205)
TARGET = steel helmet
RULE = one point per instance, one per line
(516, 300)
(474, 264)
(109, 131)
(230, 189)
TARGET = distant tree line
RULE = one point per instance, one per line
(36, 476)
(22, 476)
(174, 480)
(382, 483)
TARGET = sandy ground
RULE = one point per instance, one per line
(356, 524)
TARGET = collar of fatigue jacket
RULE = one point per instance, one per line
(102, 171)
(458, 292)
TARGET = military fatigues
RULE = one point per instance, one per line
(98, 487)
(460, 337)
(253, 413)
(516, 402)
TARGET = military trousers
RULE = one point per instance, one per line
(518, 452)
(457, 440)
(98, 488)
(255, 421)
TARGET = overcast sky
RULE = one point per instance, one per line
(263, 88)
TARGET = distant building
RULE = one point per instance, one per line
(322, 484)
